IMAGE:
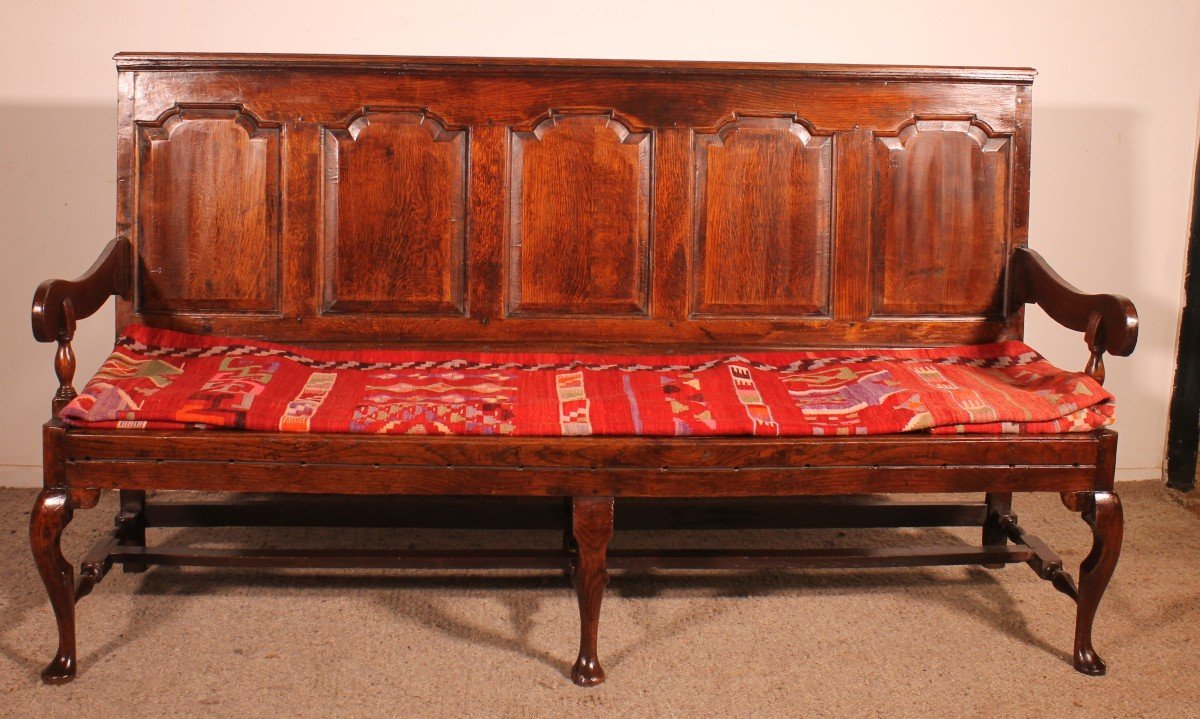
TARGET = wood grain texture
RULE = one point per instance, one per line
(167, 61)
(599, 200)
(1034, 281)
(941, 219)
(85, 444)
(50, 515)
(580, 212)
(592, 528)
(1102, 512)
(395, 214)
(764, 208)
(348, 478)
(209, 211)
(86, 294)
(58, 304)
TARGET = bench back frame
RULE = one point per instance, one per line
(350, 201)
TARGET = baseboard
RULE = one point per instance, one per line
(17, 475)
(1129, 474)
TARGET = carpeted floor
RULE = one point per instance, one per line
(954, 642)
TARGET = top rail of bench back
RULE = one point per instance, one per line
(569, 203)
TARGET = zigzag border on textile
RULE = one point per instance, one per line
(240, 350)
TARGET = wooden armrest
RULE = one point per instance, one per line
(58, 303)
(1111, 321)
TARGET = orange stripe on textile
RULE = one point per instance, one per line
(163, 379)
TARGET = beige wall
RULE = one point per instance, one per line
(1114, 133)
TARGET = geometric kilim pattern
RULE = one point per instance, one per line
(160, 379)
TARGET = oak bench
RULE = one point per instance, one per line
(371, 204)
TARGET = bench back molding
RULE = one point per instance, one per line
(563, 203)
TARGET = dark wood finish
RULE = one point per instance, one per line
(546, 513)
(131, 523)
(913, 450)
(603, 201)
(635, 559)
(621, 206)
(580, 217)
(209, 211)
(1044, 562)
(344, 478)
(50, 515)
(1111, 321)
(591, 527)
(999, 506)
(57, 304)
(108, 276)
(395, 214)
(160, 61)
(777, 228)
(1102, 512)
(95, 565)
(344, 558)
(944, 254)
(815, 558)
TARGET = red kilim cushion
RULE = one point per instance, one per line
(160, 379)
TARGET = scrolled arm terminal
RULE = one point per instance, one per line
(108, 276)
(1109, 322)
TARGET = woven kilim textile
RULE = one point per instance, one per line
(162, 379)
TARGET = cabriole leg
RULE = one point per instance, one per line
(592, 525)
(51, 513)
(1102, 512)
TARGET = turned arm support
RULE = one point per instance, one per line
(57, 304)
(1109, 322)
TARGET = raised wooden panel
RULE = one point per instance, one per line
(580, 217)
(208, 211)
(764, 205)
(394, 214)
(941, 219)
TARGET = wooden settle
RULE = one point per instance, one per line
(621, 206)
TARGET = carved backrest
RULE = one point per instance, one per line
(333, 199)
